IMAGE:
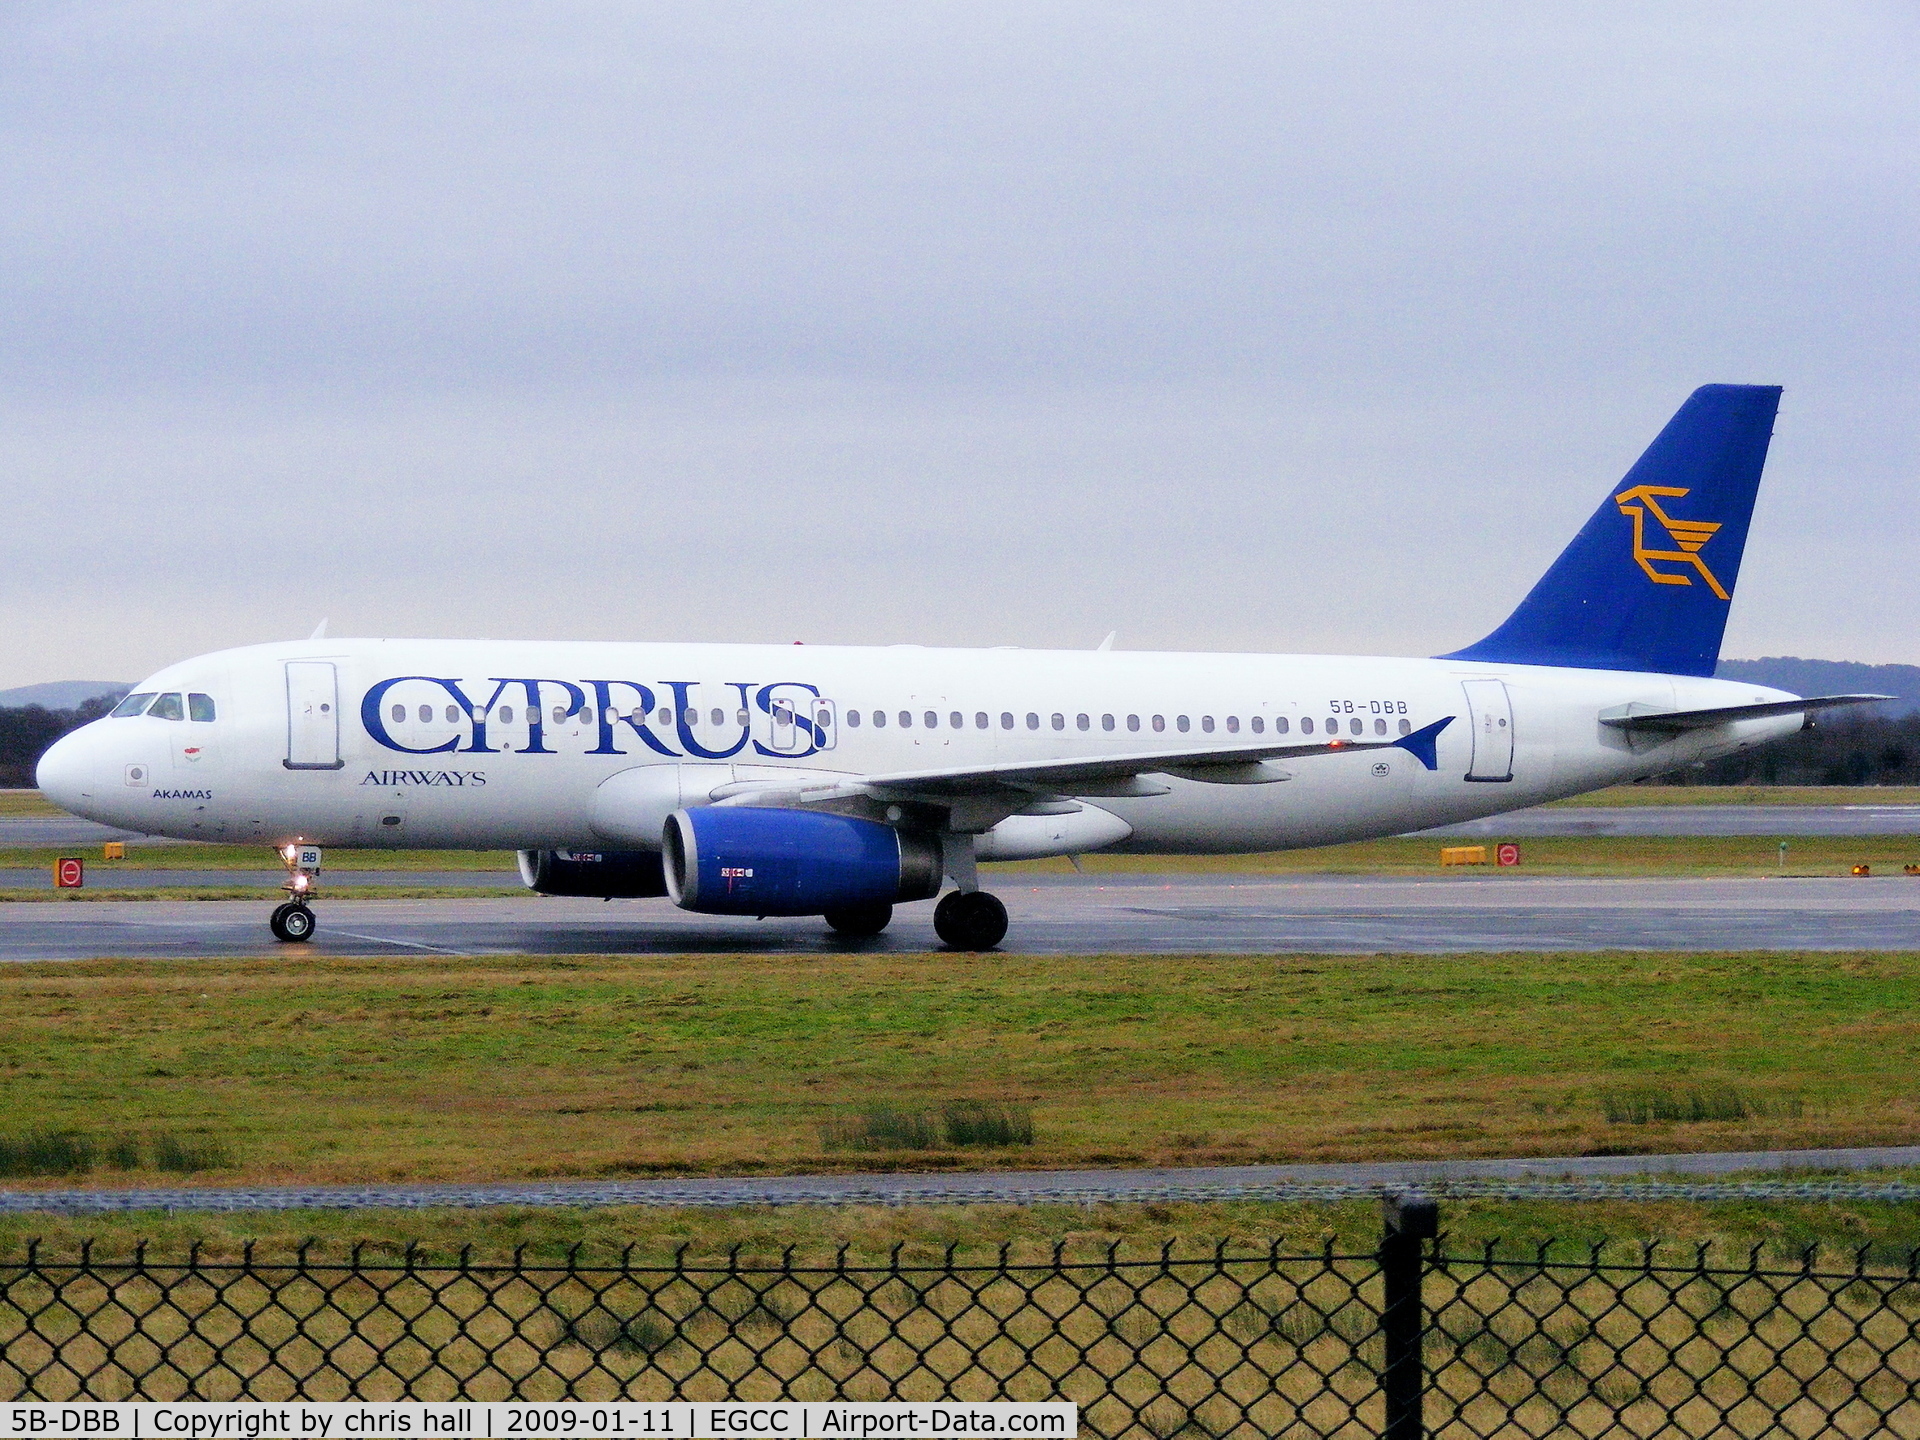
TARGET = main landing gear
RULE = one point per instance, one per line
(970, 920)
(860, 920)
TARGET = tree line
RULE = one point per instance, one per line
(27, 731)
(1843, 749)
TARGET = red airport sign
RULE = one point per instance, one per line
(1508, 854)
(69, 873)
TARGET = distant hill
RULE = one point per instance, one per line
(62, 694)
(1831, 677)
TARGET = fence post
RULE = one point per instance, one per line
(1410, 1219)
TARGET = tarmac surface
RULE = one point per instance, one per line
(1065, 914)
(46, 832)
(1782, 1174)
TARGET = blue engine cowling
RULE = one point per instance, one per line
(743, 860)
(602, 874)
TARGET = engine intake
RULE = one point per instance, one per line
(602, 874)
(746, 860)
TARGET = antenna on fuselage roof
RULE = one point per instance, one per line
(320, 630)
(1107, 644)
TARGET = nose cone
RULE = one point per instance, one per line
(65, 773)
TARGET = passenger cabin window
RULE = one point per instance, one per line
(506, 714)
(719, 716)
(1060, 722)
(199, 707)
(691, 715)
(399, 713)
(1280, 725)
(1355, 726)
(1033, 721)
(980, 720)
(1106, 722)
(1133, 722)
(879, 719)
(853, 719)
(1306, 725)
(453, 712)
(559, 715)
(1006, 720)
(957, 720)
(1183, 724)
(133, 705)
(1406, 727)
(168, 707)
(932, 717)
(906, 719)
(1379, 727)
(1256, 722)
(1082, 722)
(1159, 722)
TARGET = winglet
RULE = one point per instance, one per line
(1423, 744)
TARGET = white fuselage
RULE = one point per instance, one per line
(429, 742)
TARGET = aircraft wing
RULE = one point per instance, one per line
(1094, 776)
(1230, 765)
(1633, 717)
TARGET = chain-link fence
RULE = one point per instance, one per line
(1403, 1340)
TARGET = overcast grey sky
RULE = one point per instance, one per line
(1226, 326)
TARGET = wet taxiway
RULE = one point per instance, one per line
(1744, 1175)
(1055, 915)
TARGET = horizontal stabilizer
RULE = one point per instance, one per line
(1631, 717)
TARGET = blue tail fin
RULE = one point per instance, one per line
(1647, 582)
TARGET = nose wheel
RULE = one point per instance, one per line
(970, 920)
(292, 922)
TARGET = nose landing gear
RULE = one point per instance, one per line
(293, 923)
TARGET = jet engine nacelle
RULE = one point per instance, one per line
(746, 860)
(603, 875)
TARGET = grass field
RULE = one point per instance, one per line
(343, 1070)
(1749, 795)
(194, 855)
(1567, 855)
(1697, 855)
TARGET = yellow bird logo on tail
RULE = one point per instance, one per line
(1690, 536)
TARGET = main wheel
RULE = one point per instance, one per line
(975, 921)
(292, 922)
(868, 919)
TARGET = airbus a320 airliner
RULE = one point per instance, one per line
(763, 780)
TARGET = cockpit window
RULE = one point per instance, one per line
(199, 707)
(168, 707)
(133, 705)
